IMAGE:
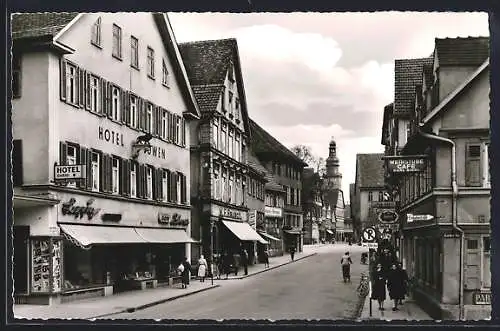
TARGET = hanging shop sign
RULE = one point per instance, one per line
(252, 218)
(76, 171)
(387, 216)
(69, 208)
(412, 218)
(405, 164)
(174, 220)
(481, 298)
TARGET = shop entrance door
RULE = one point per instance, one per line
(21, 235)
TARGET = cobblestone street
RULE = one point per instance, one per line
(308, 289)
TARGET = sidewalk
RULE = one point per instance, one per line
(103, 306)
(409, 311)
(274, 262)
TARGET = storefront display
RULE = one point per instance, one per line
(46, 266)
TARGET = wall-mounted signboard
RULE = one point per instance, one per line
(69, 172)
(398, 164)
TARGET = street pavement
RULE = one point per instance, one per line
(311, 288)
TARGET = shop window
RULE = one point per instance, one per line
(95, 167)
(165, 74)
(133, 180)
(16, 75)
(149, 183)
(134, 52)
(117, 42)
(115, 175)
(151, 63)
(115, 104)
(96, 33)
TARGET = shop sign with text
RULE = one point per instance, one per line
(273, 211)
(78, 211)
(405, 165)
(226, 212)
(481, 298)
(174, 220)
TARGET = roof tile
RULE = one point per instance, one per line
(407, 74)
(370, 170)
(470, 51)
(28, 25)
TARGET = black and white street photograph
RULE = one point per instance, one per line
(251, 166)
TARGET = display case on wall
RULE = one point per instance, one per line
(46, 265)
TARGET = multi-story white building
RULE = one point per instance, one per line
(108, 94)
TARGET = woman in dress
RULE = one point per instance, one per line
(378, 286)
(202, 268)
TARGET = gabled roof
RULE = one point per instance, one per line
(255, 165)
(370, 170)
(450, 97)
(272, 183)
(207, 63)
(470, 51)
(263, 143)
(428, 74)
(32, 25)
(407, 74)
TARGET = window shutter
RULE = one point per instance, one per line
(77, 86)
(473, 165)
(109, 108)
(63, 150)
(142, 115)
(473, 268)
(102, 173)
(17, 162)
(123, 106)
(89, 170)
(82, 75)
(172, 186)
(88, 99)
(153, 182)
(110, 174)
(170, 121)
(184, 190)
(168, 189)
(83, 161)
(141, 181)
(159, 184)
(154, 119)
(124, 174)
(102, 96)
(127, 109)
(183, 135)
(62, 80)
(138, 176)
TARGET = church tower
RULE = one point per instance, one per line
(333, 175)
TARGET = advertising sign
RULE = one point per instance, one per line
(412, 218)
(479, 298)
(69, 172)
(406, 165)
(387, 216)
(272, 212)
(370, 245)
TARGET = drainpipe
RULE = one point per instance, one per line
(454, 212)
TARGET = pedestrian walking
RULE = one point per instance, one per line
(202, 268)
(292, 252)
(346, 262)
(395, 284)
(404, 276)
(185, 272)
(244, 261)
(266, 259)
(378, 286)
(226, 264)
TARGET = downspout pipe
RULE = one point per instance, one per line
(454, 211)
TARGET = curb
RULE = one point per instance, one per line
(270, 268)
(157, 302)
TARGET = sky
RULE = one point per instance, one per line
(312, 76)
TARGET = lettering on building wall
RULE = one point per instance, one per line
(69, 208)
(479, 298)
(111, 136)
(157, 152)
(174, 220)
(231, 213)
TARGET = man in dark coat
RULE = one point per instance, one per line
(396, 285)
(244, 260)
(292, 252)
(186, 273)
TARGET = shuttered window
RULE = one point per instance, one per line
(95, 163)
(116, 104)
(17, 162)
(16, 75)
(115, 175)
(473, 173)
(164, 184)
(133, 179)
(486, 265)
(472, 264)
(149, 182)
(71, 84)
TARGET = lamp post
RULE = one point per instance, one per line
(212, 250)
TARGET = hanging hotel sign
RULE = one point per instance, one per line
(405, 164)
(173, 220)
(69, 172)
(69, 208)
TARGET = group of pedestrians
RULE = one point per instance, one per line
(389, 274)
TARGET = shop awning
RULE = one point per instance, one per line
(268, 236)
(293, 232)
(244, 231)
(329, 231)
(85, 235)
(164, 236)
